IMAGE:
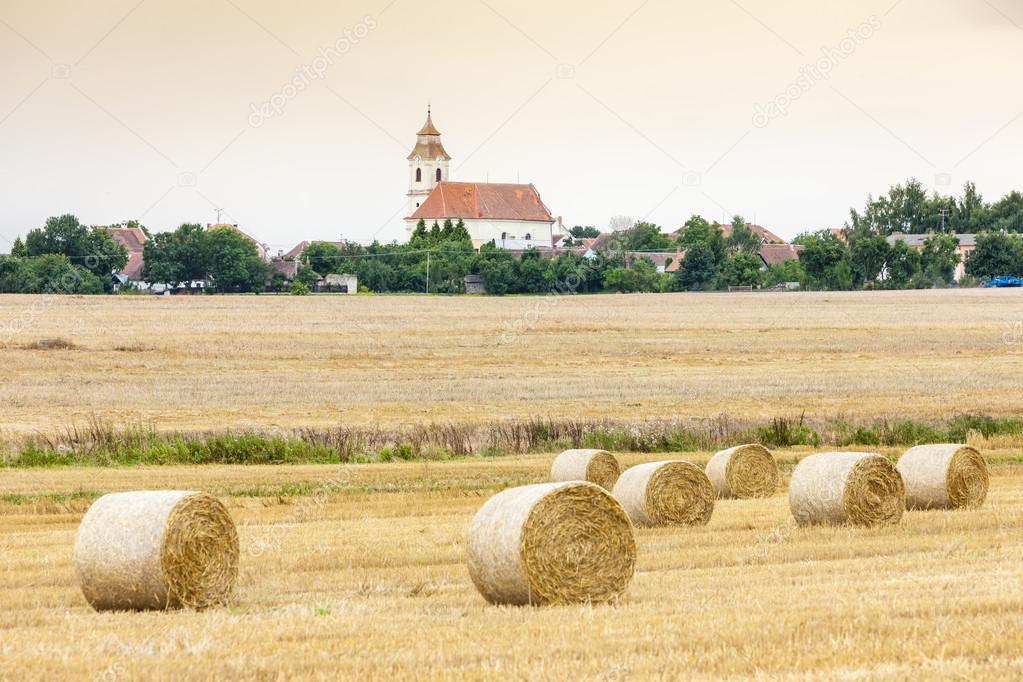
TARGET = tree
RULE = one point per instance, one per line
(85, 247)
(233, 261)
(824, 260)
(176, 257)
(584, 232)
(620, 223)
(742, 269)
(699, 271)
(323, 257)
(572, 274)
(50, 273)
(307, 276)
(901, 265)
(460, 233)
(1006, 214)
(641, 277)
(906, 208)
(699, 232)
(498, 271)
(743, 239)
(645, 237)
(277, 281)
(940, 258)
(868, 256)
(783, 273)
(419, 236)
(996, 255)
(447, 230)
(972, 214)
(534, 273)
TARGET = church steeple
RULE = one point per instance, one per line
(428, 163)
(428, 127)
(428, 144)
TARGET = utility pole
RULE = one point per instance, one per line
(944, 214)
(428, 272)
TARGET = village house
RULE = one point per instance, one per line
(967, 244)
(133, 239)
(775, 254)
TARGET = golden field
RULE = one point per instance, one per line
(369, 581)
(260, 362)
(358, 571)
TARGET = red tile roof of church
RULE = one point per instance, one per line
(483, 201)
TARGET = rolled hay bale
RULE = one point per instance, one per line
(595, 466)
(552, 543)
(156, 550)
(743, 472)
(672, 493)
(944, 477)
(855, 488)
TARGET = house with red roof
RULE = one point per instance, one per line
(765, 234)
(133, 239)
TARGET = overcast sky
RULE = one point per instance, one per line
(156, 110)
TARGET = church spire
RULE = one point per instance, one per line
(428, 144)
(428, 127)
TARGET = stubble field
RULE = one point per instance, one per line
(259, 362)
(358, 571)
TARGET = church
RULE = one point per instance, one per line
(490, 211)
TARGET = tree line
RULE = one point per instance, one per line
(65, 256)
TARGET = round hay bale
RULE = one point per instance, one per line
(595, 466)
(156, 550)
(856, 488)
(552, 543)
(944, 477)
(666, 494)
(743, 472)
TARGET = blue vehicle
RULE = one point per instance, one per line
(1004, 283)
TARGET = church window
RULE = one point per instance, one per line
(419, 175)
(528, 236)
(438, 175)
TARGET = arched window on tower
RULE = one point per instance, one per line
(438, 175)
(419, 175)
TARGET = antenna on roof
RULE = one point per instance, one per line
(219, 211)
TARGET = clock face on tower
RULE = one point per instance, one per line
(419, 160)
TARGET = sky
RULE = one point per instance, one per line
(295, 119)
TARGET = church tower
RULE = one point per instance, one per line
(428, 164)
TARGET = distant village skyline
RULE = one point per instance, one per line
(296, 125)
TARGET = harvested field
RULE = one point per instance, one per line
(360, 572)
(265, 362)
